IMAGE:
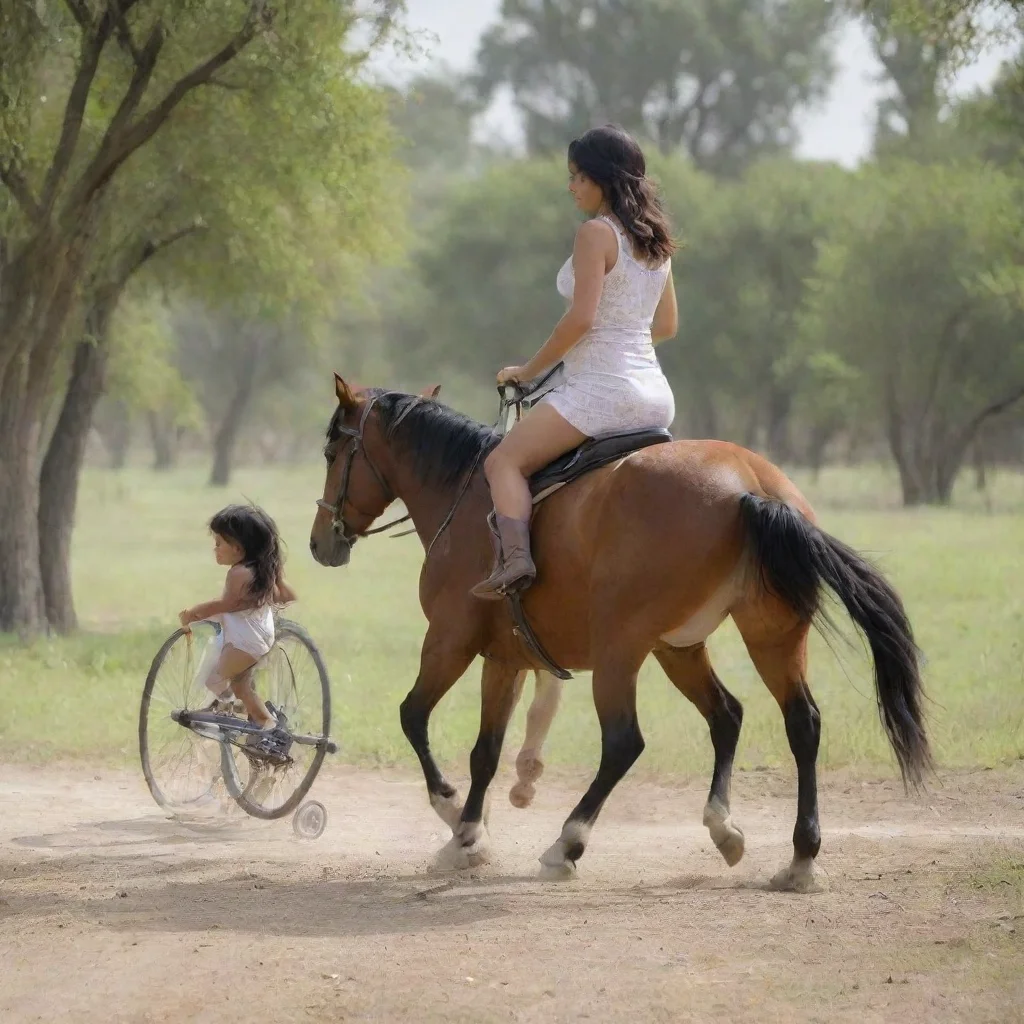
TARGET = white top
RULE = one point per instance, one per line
(613, 379)
(632, 290)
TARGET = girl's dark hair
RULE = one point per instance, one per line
(612, 159)
(256, 534)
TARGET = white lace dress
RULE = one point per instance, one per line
(614, 382)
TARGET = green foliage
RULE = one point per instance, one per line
(736, 364)
(486, 268)
(918, 291)
(143, 374)
(719, 79)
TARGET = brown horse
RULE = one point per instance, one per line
(648, 554)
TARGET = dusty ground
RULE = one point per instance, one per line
(111, 912)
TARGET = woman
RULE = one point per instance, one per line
(618, 283)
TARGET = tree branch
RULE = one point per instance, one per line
(80, 12)
(110, 157)
(15, 183)
(994, 409)
(136, 87)
(124, 32)
(151, 248)
(93, 41)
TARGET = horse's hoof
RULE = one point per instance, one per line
(521, 794)
(453, 856)
(563, 872)
(731, 847)
(801, 876)
(529, 768)
(724, 834)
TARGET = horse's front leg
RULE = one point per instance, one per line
(443, 660)
(529, 766)
(499, 691)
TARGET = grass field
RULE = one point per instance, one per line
(142, 552)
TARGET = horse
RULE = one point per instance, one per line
(647, 554)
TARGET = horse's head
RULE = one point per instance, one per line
(356, 488)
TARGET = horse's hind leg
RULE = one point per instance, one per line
(529, 767)
(614, 686)
(691, 673)
(777, 643)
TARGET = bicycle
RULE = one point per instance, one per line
(196, 753)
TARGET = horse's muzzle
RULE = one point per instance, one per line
(337, 551)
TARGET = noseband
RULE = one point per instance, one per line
(338, 524)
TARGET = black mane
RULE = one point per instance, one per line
(441, 443)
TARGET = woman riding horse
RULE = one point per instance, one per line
(618, 284)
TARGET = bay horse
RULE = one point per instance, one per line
(646, 555)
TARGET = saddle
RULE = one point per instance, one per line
(594, 453)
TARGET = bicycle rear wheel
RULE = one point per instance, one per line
(294, 679)
(183, 769)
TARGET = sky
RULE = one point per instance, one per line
(839, 130)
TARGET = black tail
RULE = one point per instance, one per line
(795, 558)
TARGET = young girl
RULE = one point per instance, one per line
(246, 539)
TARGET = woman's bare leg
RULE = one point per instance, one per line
(537, 439)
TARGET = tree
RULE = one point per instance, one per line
(737, 364)
(483, 291)
(434, 116)
(719, 79)
(137, 68)
(919, 291)
(917, 65)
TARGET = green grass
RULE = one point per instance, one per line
(142, 553)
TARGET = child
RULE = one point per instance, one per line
(246, 539)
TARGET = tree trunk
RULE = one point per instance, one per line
(119, 438)
(979, 462)
(62, 467)
(21, 591)
(821, 435)
(165, 439)
(777, 435)
(225, 439)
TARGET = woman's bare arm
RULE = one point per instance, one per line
(666, 317)
(594, 247)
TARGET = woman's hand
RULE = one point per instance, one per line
(186, 619)
(512, 374)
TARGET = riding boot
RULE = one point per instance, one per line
(514, 568)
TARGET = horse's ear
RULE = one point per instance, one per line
(346, 396)
(431, 392)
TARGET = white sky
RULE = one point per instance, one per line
(840, 130)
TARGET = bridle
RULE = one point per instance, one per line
(344, 531)
(512, 396)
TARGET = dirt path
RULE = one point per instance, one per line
(110, 912)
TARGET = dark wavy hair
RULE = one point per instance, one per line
(256, 534)
(612, 158)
